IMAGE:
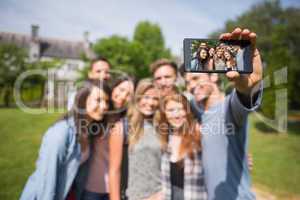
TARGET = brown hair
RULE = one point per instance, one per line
(97, 59)
(190, 133)
(78, 110)
(164, 61)
(202, 61)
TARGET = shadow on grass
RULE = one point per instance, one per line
(293, 128)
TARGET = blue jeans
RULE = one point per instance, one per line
(94, 196)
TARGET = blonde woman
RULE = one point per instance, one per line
(229, 60)
(144, 154)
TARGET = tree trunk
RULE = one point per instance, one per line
(6, 98)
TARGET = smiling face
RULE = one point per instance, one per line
(219, 52)
(164, 78)
(97, 104)
(227, 55)
(148, 102)
(175, 114)
(203, 54)
(122, 94)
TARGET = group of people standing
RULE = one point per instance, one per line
(222, 57)
(150, 141)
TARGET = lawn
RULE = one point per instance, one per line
(20, 140)
(276, 156)
(276, 160)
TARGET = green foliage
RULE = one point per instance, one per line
(13, 62)
(151, 38)
(34, 85)
(278, 40)
(134, 56)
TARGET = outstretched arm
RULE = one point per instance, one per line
(248, 87)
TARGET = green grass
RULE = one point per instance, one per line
(276, 156)
(19, 144)
(276, 160)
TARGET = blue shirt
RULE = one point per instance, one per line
(58, 165)
(224, 149)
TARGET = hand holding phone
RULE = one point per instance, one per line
(244, 69)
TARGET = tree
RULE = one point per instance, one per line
(119, 51)
(38, 82)
(134, 56)
(278, 39)
(151, 38)
(12, 64)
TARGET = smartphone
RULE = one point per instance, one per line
(217, 56)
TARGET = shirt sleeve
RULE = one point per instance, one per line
(241, 107)
(43, 182)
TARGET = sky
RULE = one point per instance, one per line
(69, 19)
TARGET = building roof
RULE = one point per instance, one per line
(49, 47)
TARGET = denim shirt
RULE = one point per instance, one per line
(224, 149)
(58, 165)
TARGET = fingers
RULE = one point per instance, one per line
(245, 35)
(232, 75)
(236, 33)
(252, 37)
(225, 36)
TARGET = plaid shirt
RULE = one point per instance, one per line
(194, 185)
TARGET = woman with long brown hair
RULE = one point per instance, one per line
(201, 60)
(182, 173)
(97, 185)
(62, 164)
(144, 154)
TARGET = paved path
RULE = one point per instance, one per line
(263, 195)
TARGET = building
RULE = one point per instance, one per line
(45, 49)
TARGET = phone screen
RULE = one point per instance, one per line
(217, 56)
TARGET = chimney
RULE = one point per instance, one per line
(34, 48)
(86, 36)
(87, 45)
(34, 31)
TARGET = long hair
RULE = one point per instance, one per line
(119, 113)
(202, 61)
(216, 54)
(135, 117)
(190, 134)
(78, 111)
(231, 60)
